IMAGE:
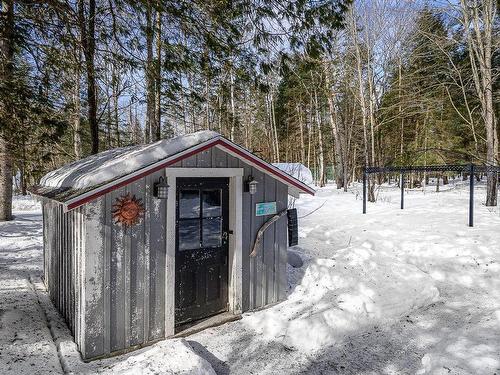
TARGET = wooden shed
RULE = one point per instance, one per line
(140, 241)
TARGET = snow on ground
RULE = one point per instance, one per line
(366, 302)
(390, 292)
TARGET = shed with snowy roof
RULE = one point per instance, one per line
(141, 242)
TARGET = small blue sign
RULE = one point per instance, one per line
(263, 209)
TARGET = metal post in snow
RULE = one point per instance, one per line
(402, 183)
(471, 196)
(364, 190)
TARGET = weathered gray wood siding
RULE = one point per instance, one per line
(63, 247)
(124, 273)
(264, 277)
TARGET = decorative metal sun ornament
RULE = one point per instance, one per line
(128, 210)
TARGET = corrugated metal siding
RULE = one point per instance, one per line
(63, 233)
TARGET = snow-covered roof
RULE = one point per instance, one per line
(297, 170)
(111, 164)
(86, 179)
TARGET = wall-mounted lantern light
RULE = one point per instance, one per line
(251, 185)
(161, 189)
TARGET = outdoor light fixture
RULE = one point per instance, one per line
(251, 185)
(161, 189)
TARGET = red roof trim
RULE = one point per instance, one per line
(219, 141)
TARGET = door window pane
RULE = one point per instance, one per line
(189, 204)
(212, 232)
(212, 203)
(189, 234)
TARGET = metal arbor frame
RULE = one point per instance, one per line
(467, 168)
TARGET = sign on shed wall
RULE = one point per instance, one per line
(266, 208)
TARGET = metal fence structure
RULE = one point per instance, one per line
(470, 169)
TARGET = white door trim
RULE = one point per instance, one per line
(235, 290)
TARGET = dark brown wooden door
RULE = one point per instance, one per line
(201, 251)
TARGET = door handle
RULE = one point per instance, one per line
(224, 236)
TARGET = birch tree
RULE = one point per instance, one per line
(478, 18)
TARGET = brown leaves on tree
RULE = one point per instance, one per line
(128, 210)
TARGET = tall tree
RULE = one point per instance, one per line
(86, 20)
(6, 82)
(478, 18)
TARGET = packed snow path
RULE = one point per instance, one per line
(26, 344)
(366, 300)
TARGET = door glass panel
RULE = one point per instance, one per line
(189, 204)
(212, 233)
(189, 234)
(212, 203)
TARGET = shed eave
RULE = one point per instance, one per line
(41, 198)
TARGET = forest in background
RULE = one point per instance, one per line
(331, 84)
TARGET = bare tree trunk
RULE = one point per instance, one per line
(233, 110)
(6, 61)
(401, 150)
(275, 131)
(362, 99)
(150, 79)
(114, 92)
(157, 127)
(184, 110)
(337, 143)
(109, 119)
(207, 97)
(77, 139)
(302, 143)
(425, 148)
(321, 155)
(5, 180)
(478, 23)
(87, 29)
(371, 111)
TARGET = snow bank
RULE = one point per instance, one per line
(338, 296)
(167, 357)
(297, 170)
(111, 164)
(25, 203)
